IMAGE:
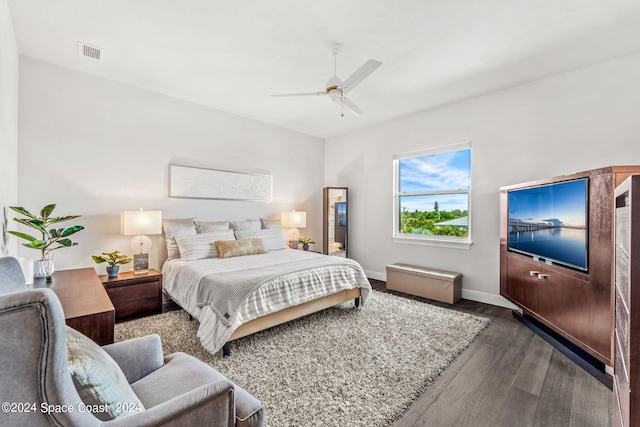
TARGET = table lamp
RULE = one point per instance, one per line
(139, 224)
(294, 220)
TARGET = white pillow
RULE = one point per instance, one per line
(98, 379)
(271, 237)
(173, 228)
(250, 224)
(209, 226)
(270, 223)
(203, 245)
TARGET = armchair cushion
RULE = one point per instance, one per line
(184, 372)
(100, 382)
(137, 357)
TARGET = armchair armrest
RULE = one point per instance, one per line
(211, 405)
(137, 357)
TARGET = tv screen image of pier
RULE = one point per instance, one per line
(550, 222)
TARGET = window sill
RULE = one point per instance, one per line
(442, 243)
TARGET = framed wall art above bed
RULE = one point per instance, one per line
(200, 183)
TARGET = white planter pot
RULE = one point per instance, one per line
(43, 269)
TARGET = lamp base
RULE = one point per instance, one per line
(141, 243)
(140, 263)
(294, 234)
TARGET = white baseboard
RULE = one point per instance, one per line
(478, 296)
(375, 275)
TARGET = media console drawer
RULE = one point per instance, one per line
(558, 297)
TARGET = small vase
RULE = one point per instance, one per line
(43, 268)
(112, 270)
(305, 246)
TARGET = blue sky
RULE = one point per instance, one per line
(435, 172)
(565, 201)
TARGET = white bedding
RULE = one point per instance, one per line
(182, 278)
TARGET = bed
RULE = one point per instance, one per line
(285, 284)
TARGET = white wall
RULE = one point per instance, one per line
(576, 121)
(8, 127)
(96, 147)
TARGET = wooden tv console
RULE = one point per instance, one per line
(576, 305)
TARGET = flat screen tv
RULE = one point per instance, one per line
(550, 222)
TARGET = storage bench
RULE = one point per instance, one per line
(425, 282)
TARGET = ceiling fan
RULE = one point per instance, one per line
(338, 89)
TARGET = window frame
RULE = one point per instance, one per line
(429, 239)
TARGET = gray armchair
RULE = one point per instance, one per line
(176, 390)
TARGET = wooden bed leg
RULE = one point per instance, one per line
(226, 349)
(356, 302)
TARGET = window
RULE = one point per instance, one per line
(431, 196)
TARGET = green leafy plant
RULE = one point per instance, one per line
(305, 240)
(112, 258)
(51, 238)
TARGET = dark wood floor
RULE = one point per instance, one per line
(509, 376)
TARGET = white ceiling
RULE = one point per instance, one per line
(231, 55)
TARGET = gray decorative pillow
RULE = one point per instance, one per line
(203, 245)
(271, 238)
(270, 223)
(173, 228)
(99, 380)
(209, 226)
(250, 224)
(232, 248)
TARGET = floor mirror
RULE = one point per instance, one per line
(335, 221)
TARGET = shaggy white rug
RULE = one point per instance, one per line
(342, 366)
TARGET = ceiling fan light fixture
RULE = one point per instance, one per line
(335, 94)
(337, 89)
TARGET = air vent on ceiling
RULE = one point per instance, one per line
(89, 51)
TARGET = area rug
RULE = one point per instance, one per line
(342, 366)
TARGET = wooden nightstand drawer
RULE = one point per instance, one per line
(134, 295)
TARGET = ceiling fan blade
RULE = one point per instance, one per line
(302, 94)
(349, 105)
(360, 74)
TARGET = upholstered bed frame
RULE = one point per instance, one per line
(279, 317)
(291, 313)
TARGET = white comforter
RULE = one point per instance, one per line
(181, 280)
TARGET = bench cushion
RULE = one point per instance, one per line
(439, 285)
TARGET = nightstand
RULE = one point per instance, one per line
(134, 295)
(86, 306)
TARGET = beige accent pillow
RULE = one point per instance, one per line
(99, 380)
(211, 226)
(173, 228)
(231, 248)
(199, 246)
(250, 224)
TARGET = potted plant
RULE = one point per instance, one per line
(114, 259)
(50, 240)
(305, 242)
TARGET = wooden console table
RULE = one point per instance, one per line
(87, 307)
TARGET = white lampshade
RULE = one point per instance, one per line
(134, 223)
(294, 219)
